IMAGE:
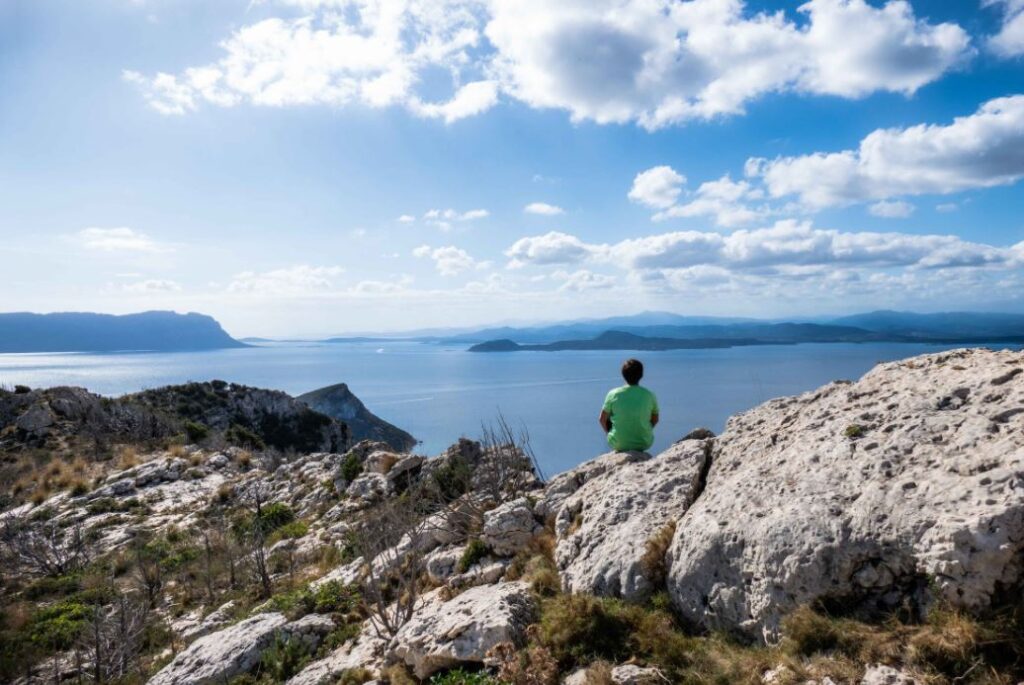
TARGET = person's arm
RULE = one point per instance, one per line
(655, 412)
(606, 421)
(654, 419)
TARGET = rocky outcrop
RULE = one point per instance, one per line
(218, 657)
(462, 630)
(608, 529)
(510, 527)
(338, 402)
(902, 488)
(365, 652)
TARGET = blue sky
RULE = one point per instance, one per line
(326, 166)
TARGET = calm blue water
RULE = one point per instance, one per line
(439, 393)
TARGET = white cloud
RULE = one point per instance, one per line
(367, 52)
(660, 63)
(1009, 41)
(450, 260)
(543, 209)
(120, 239)
(658, 187)
(406, 219)
(296, 280)
(891, 209)
(725, 200)
(152, 285)
(947, 207)
(976, 151)
(551, 248)
(443, 218)
(785, 247)
(655, 62)
(583, 280)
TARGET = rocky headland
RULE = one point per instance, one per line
(865, 532)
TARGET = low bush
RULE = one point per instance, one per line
(351, 467)
(289, 531)
(195, 431)
(475, 550)
(460, 676)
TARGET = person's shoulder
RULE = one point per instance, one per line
(649, 393)
(614, 392)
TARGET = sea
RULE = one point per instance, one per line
(442, 392)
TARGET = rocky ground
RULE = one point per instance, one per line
(868, 532)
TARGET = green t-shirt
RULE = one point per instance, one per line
(630, 408)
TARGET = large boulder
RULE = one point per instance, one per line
(902, 488)
(607, 530)
(559, 488)
(509, 527)
(220, 656)
(443, 634)
(364, 652)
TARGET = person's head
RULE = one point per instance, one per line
(632, 371)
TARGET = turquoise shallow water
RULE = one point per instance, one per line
(439, 393)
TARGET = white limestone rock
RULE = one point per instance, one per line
(462, 630)
(220, 656)
(907, 483)
(602, 528)
(631, 674)
(364, 652)
(509, 527)
(880, 674)
(564, 484)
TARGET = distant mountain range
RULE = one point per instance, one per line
(86, 332)
(639, 333)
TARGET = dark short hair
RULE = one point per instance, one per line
(632, 371)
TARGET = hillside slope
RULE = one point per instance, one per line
(338, 402)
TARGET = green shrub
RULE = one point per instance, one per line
(854, 430)
(460, 676)
(273, 516)
(351, 467)
(285, 658)
(53, 587)
(57, 626)
(453, 479)
(335, 597)
(475, 550)
(289, 531)
(195, 431)
(355, 676)
(243, 437)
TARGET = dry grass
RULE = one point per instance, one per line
(126, 456)
(655, 549)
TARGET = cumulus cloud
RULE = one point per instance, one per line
(658, 187)
(296, 280)
(654, 62)
(891, 209)
(543, 208)
(1009, 41)
(443, 218)
(406, 219)
(976, 151)
(787, 246)
(583, 280)
(153, 285)
(449, 260)
(365, 52)
(724, 200)
(553, 247)
(121, 239)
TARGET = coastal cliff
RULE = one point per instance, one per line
(865, 532)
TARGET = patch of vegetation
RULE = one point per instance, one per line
(332, 597)
(289, 531)
(243, 437)
(351, 467)
(475, 550)
(453, 479)
(284, 659)
(854, 431)
(195, 431)
(460, 676)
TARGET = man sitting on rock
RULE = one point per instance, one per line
(630, 413)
